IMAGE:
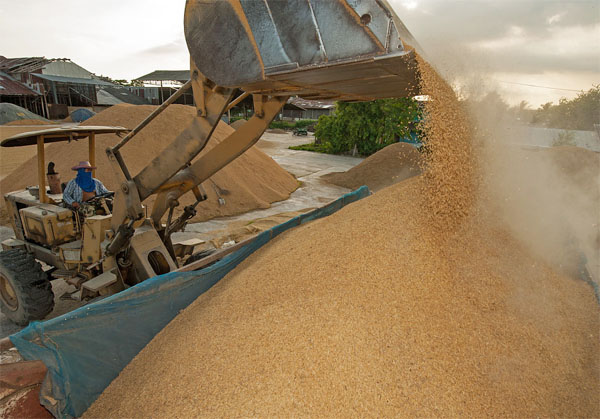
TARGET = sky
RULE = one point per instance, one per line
(480, 45)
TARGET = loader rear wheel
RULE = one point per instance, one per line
(25, 290)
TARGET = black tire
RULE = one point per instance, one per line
(25, 290)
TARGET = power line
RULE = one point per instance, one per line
(539, 87)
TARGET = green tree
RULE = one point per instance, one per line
(367, 126)
(580, 113)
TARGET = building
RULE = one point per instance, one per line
(298, 108)
(12, 91)
(160, 84)
(61, 82)
(109, 96)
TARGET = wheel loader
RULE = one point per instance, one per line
(349, 50)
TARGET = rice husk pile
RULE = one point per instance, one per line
(388, 166)
(408, 303)
(253, 180)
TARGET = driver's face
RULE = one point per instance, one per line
(88, 170)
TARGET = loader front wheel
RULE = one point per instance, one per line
(25, 291)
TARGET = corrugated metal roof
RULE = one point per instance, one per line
(105, 98)
(66, 68)
(11, 87)
(116, 95)
(167, 75)
(23, 64)
(73, 80)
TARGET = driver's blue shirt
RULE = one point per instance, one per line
(73, 193)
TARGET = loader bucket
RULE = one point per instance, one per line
(351, 50)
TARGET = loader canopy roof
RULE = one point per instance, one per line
(53, 135)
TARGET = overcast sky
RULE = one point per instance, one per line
(483, 44)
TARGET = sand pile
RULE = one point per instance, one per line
(407, 303)
(253, 180)
(388, 166)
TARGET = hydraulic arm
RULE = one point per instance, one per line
(352, 50)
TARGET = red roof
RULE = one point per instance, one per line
(11, 87)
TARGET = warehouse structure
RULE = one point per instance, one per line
(109, 96)
(11, 91)
(298, 108)
(60, 82)
(156, 87)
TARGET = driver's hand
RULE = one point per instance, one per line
(75, 205)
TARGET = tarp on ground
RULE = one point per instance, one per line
(86, 349)
(10, 112)
(81, 115)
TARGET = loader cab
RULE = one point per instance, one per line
(36, 212)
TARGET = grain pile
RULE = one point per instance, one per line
(29, 122)
(407, 303)
(388, 166)
(12, 158)
(253, 180)
(238, 124)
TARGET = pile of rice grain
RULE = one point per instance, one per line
(407, 303)
(29, 122)
(253, 180)
(388, 166)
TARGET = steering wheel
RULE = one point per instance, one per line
(99, 202)
(102, 195)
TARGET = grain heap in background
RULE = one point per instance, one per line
(238, 124)
(388, 166)
(253, 180)
(407, 303)
(29, 122)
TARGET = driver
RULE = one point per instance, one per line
(84, 186)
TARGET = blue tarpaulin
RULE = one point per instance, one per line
(82, 114)
(86, 349)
